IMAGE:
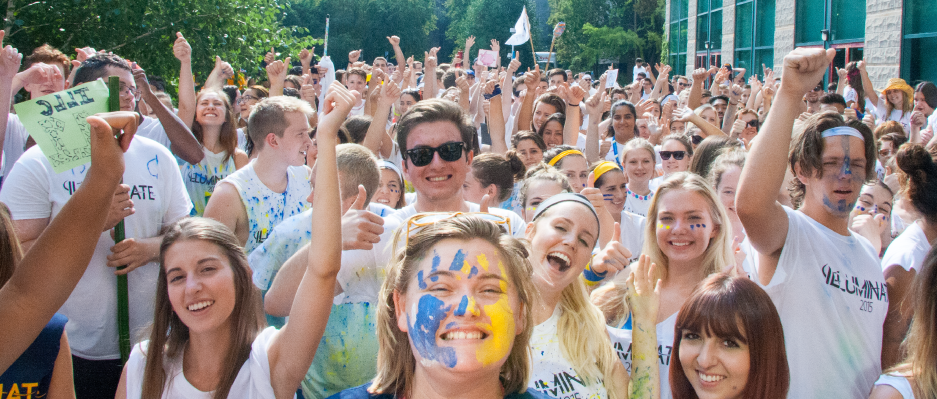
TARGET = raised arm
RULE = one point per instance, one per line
(496, 123)
(51, 269)
(696, 89)
(219, 75)
(292, 350)
(763, 217)
(305, 59)
(573, 96)
(841, 83)
(643, 298)
(377, 132)
(526, 114)
(466, 61)
(10, 60)
(276, 73)
(398, 53)
(183, 52)
(182, 142)
(429, 74)
(735, 94)
(706, 129)
(867, 86)
(594, 106)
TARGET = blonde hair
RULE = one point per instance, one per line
(395, 361)
(638, 143)
(718, 254)
(921, 342)
(584, 341)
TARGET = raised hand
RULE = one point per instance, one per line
(270, 56)
(514, 65)
(532, 79)
(495, 46)
(224, 69)
(394, 41)
(576, 95)
(111, 134)
(361, 229)
(593, 194)
(684, 115)
(278, 69)
(10, 60)
(613, 257)
(143, 85)
(353, 56)
(918, 120)
(390, 93)
(700, 74)
(469, 42)
(181, 49)
(306, 56)
(643, 290)
(803, 69)
(335, 108)
(308, 91)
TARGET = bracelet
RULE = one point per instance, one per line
(592, 276)
(574, 105)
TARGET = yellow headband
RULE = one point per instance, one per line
(560, 156)
(603, 167)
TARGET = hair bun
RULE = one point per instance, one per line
(515, 164)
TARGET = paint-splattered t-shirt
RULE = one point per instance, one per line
(266, 208)
(200, 179)
(830, 293)
(551, 373)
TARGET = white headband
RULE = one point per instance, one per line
(384, 164)
(842, 131)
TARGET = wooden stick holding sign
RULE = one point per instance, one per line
(557, 32)
(123, 308)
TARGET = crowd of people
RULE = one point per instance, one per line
(454, 230)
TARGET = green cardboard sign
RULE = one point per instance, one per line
(57, 123)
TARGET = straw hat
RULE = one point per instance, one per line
(901, 85)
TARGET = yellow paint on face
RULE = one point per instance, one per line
(483, 262)
(504, 284)
(502, 328)
(466, 268)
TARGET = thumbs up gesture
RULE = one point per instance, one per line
(614, 257)
(361, 229)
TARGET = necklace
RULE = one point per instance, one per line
(640, 197)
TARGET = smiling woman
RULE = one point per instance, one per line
(455, 314)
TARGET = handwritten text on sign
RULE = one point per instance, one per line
(57, 123)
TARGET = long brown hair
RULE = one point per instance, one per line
(228, 136)
(921, 341)
(395, 361)
(10, 251)
(735, 308)
(169, 335)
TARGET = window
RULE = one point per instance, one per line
(709, 27)
(920, 37)
(843, 19)
(754, 35)
(678, 33)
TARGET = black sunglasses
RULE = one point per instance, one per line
(697, 139)
(752, 123)
(449, 152)
(678, 155)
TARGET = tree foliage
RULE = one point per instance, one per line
(490, 19)
(144, 30)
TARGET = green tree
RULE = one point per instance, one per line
(490, 19)
(240, 31)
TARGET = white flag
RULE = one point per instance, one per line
(521, 30)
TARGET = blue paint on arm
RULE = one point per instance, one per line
(457, 261)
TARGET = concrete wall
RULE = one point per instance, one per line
(883, 40)
(728, 31)
(784, 17)
(691, 38)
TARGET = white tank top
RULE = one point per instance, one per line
(200, 179)
(900, 383)
(551, 373)
(265, 208)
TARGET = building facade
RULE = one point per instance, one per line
(894, 37)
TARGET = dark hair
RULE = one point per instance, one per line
(854, 78)
(528, 135)
(921, 186)
(735, 308)
(227, 137)
(558, 71)
(896, 139)
(158, 83)
(434, 110)
(232, 93)
(707, 152)
(415, 93)
(298, 71)
(357, 71)
(833, 98)
(930, 93)
(553, 100)
(500, 170)
(291, 92)
(96, 67)
(713, 99)
(354, 129)
(611, 112)
(807, 150)
(680, 138)
(448, 79)
(559, 117)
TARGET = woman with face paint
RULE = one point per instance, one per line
(729, 343)
(570, 338)
(456, 313)
(687, 236)
(611, 181)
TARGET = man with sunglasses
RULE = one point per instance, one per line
(812, 98)
(680, 83)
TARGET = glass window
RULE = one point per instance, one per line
(919, 16)
(848, 20)
(920, 37)
(754, 35)
(702, 31)
(679, 10)
(845, 19)
(764, 25)
(709, 25)
(810, 20)
(743, 24)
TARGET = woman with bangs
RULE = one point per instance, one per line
(895, 103)
(622, 129)
(572, 354)
(455, 315)
(215, 127)
(729, 343)
(687, 237)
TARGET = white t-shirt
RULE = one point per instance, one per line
(904, 118)
(638, 204)
(632, 233)
(831, 296)
(850, 94)
(900, 383)
(33, 190)
(153, 130)
(615, 152)
(551, 373)
(200, 179)
(518, 226)
(14, 143)
(636, 70)
(252, 381)
(908, 250)
(621, 341)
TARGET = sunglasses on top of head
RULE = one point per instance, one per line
(449, 152)
(678, 155)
